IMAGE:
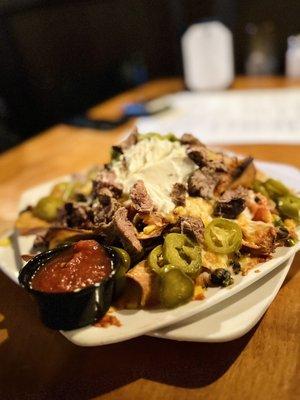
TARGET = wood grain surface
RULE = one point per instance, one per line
(36, 363)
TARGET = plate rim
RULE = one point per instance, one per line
(241, 330)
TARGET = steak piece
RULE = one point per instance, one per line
(198, 154)
(230, 209)
(230, 194)
(126, 230)
(105, 196)
(105, 209)
(90, 215)
(77, 215)
(106, 179)
(131, 140)
(193, 227)
(231, 203)
(202, 156)
(140, 198)
(178, 194)
(189, 139)
(202, 183)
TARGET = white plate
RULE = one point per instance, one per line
(138, 322)
(233, 317)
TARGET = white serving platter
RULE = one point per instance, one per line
(233, 317)
(138, 322)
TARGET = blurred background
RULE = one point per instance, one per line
(58, 58)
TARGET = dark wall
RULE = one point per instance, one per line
(284, 15)
(59, 57)
(64, 57)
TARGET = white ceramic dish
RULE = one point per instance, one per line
(136, 323)
(233, 317)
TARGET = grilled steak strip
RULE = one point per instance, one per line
(193, 227)
(126, 230)
(131, 140)
(189, 139)
(140, 198)
(231, 203)
(77, 215)
(230, 209)
(178, 194)
(106, 179)
(202, 156)
(202, 183)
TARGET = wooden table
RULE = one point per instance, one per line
(36, 363)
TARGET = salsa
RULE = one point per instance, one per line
(83, 264)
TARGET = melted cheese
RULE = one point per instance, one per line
(213, 260)
(199, 208)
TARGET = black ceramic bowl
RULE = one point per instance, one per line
(70, 310)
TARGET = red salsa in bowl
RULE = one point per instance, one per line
(73, 285)
(83, 264)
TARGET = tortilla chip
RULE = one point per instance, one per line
(28, 224)
(142, 287)
(57, 236)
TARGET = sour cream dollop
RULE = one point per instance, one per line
(159, 164)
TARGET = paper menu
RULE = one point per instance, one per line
(226, 117)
